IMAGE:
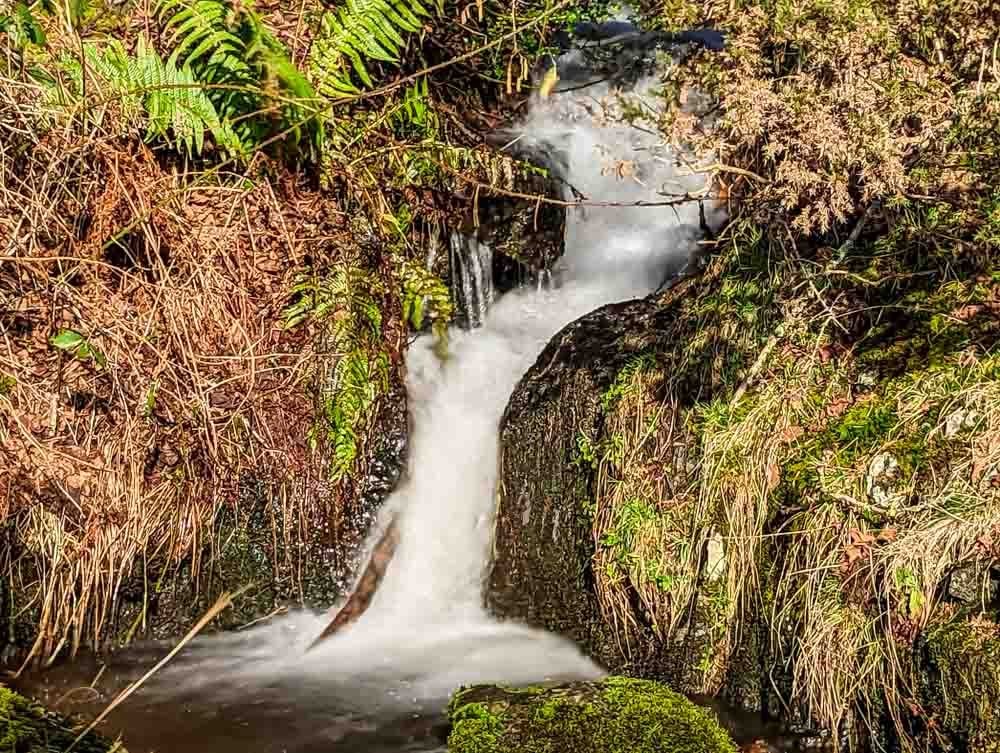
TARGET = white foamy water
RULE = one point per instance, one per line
(427, 631)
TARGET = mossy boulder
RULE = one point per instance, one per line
(617, 715)
(25, 727)
(958, 666)
(543, 547)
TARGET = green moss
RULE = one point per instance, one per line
(617, 715)
(25, 727)
(625, 379)
(962, 684)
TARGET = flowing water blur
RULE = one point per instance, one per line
(382, 683)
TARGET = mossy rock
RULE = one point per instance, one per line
(960, 675)
(543, 548)
(25, 727)
(617, 715)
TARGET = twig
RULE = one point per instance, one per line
(847, 245)
(685, 198)
(758, 365)
(513, 34)
(221, 603)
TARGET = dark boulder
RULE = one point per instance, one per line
(543, 546)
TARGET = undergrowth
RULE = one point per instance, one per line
(212, 254)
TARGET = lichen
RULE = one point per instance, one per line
(617, 715)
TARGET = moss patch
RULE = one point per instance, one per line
(25, 727)
(961, 683)
(617, 715)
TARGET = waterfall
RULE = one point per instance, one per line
(472, 285)
(426, 631)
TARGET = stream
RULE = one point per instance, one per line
(381, 683)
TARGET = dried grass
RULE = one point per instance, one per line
(178, 281)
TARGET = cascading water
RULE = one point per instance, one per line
(426, 631)
(472, 265)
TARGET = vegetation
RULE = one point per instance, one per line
(210, 266)
(26, 727)
(219, 225)
(617, 714)
(812, 449)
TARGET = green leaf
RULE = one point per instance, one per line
(67, 339)
(79, 346)
(29, 25)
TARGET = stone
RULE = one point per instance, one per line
(26, 727)
(973, 585)
(616, 715)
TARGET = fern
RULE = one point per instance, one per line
(425, 296)
(250, 80)
(145, 87)
(345, 303)
(414, 115)
(361, 30)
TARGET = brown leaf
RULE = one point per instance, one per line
(837, 407)
(773, 474)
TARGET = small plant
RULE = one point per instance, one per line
(425, 296)
(78, 346)
(344, 303)
(415, 115)
(586, 454)
(21, 26)
(256, 90)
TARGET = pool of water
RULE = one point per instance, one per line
(279, 716)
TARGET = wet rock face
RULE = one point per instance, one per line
(541, 569)
(525, 227)
(525, 235)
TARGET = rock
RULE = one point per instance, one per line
(25, 727)
(616, 715)
(530, 231)
(526, 234)
(551, 560)
(543, 546)
(973, 585)
(882, 481)
(957, 663)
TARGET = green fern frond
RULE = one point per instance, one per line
(149, 91)
(226, 45)
(425, 296)
(361, 30)
(345, 303)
